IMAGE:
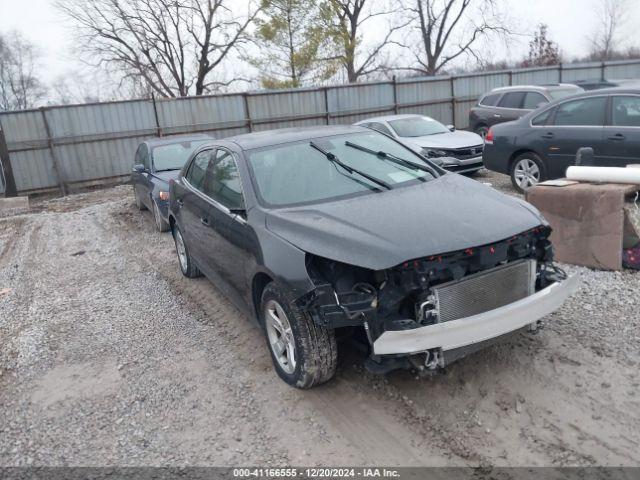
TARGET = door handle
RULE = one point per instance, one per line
(617, 136)
(204, 221)
(497, 115)
(548, 135)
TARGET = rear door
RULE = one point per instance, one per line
(622, 132)
(574, 124)
(509, 108)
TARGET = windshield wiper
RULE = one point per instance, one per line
(393, 158)
(332, 158)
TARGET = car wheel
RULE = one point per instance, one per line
(161, 225)
(304, 354)
(139, 205)
(482, 130)
(187, 266)
(527, 170)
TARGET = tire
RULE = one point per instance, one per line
(161, 224)
(482, 130)
(312, 347)
(139, 205)
(186, 263)
(526, 171)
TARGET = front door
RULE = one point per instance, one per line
(622, 132)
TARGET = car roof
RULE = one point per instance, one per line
(536, 88)
(266, 138)
(158, 141)
(386, 118)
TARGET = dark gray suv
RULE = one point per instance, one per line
(542, 144)
(510, 103)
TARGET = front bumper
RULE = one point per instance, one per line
(456, 165)
(477, 328)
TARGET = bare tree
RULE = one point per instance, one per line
(20, 86)
(171, 46)
(604, 41)
(346, 20)
(450, 29)
(542, 51)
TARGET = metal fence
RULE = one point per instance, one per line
(63, 147)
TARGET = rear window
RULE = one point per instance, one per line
(174, 156)
(490, 100)
(512, 100)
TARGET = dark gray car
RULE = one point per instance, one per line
(157, 162)
(510, 103)
(342, 228)
(542, 144)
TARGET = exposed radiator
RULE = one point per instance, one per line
(485, 290)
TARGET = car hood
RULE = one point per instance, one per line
(456, 139)
(168, 175)
(382, 230)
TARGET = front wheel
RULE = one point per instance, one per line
(161, 224)
(187, 265)
(304, 354)
(527, 171)
(139, 205)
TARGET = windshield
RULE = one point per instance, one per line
(417, 127)
(296, 173)
(174, 156)
(565, 92)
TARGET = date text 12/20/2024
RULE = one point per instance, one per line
(321, 472)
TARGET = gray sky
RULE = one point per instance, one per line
(570, 21)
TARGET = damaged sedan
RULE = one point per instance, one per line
(339, 231)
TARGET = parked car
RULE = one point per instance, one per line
(597, 84)
(157, 161)
(510, 103)
(454, 150)
(542, 144)
(313, 230)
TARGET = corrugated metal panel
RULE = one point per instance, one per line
(619, 70)
(462, 113)
(586, 71)
(33, 169)
(286, 105)
(23, 129)
(201, 114)
(475, 85)
(355, 99)
(441, 112)
(535, 76)
(423, 90)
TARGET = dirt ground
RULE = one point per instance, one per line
(109, 356)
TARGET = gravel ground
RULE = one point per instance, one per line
(110, 357)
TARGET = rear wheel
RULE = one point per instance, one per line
(304, 354)
(527, 170)
(161, 224)
(187, 266)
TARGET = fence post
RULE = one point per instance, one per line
(453, 101)
(155, 113)
(510, 77)
(602, 67)
(10, 189)
(54, 158)
(560, 68)
(247, 113)
(395, 94)
(327, 115)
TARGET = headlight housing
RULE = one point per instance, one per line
(433, 153)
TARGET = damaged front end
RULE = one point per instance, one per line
(430, 311)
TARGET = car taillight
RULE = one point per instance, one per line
(489, 137)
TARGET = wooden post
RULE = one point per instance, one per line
(52, 150)
(10, 189)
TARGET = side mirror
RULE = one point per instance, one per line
(452, 128)
(139, 168)
(585, 157)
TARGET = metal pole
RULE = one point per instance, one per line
(54, 158)
(247, 112)
(602, 67)
(155, 112)
(395, 95)
(510, 77)
(453, 101)
(327, 115)
(10, 189)
(560, 73)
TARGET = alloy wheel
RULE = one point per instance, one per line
(181, 249)
(526, 173)
(280, 336)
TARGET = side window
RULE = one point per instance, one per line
(625, 111)
(542, 118)
(512, 100)
(198, 168)
(582, 112)
(380, 128)
(533, 100)
(489, 100)
(223, 180)
(141, 156)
